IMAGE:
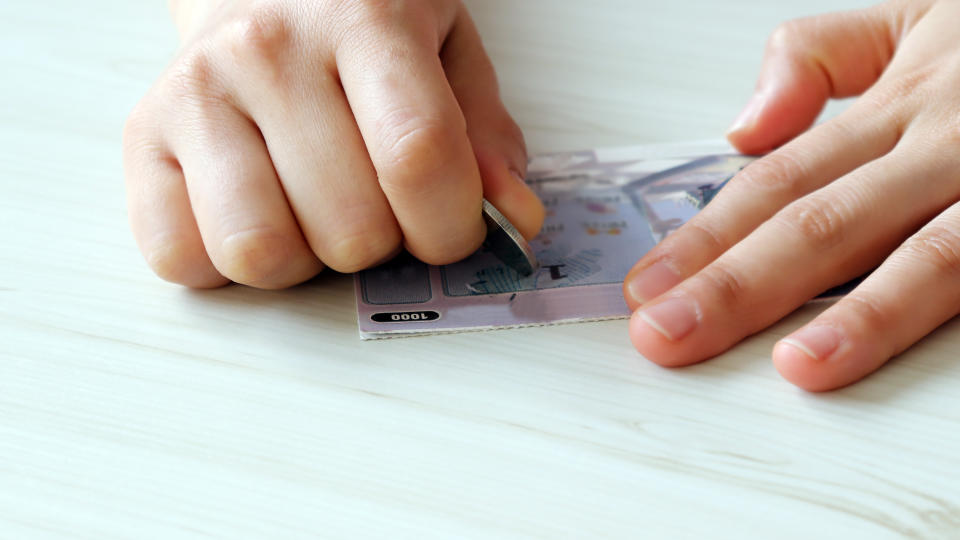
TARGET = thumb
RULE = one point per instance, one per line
(808, 61)
(497, 140)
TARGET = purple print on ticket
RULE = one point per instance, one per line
(605, 209)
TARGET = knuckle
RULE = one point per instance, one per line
(360, 22)
(253, 257)
(140, 130)
(912, 86)
(512, 134)
(172, 260)
(191, 97)
(782, 171)
(950, 140)
(191, 78)
(378, 12)
(706, 235)
(413, 153)
(868, 313)
(937, 245)
(729, 287)
(819, 222)
(788, 34)
(262, 36)
(877, 102)
(136, 120)
(447, 243)
(359, 251)
(447, 253)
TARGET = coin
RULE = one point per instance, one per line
(506, 242)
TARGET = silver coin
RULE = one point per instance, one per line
(506, 242)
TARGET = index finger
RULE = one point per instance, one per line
(825, 239)
(766, 186)
(414, 129)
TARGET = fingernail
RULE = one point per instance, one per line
(653, 281)
(817, 342)
(675, 318)
(750, 112)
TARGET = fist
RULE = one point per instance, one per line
(290, 135)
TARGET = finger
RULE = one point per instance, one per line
(316, 148)
(497, 140)
(243, 217)
(866, 131)
(807, 61)
(414, 129)
(914, 292)
(825, 239)
(159, 208)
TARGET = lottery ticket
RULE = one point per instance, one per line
(605, 209)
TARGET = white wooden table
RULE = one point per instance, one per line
(131, 408)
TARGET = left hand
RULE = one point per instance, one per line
(877, 186)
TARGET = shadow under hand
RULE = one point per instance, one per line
(929, 369)
(932, 366)
(322, 305)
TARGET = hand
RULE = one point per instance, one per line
(292, 134)
(878, 185)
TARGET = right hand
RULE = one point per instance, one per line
(289, 135)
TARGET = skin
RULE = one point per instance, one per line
(877, 186)
(290, 135)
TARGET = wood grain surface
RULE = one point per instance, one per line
(131, 408)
